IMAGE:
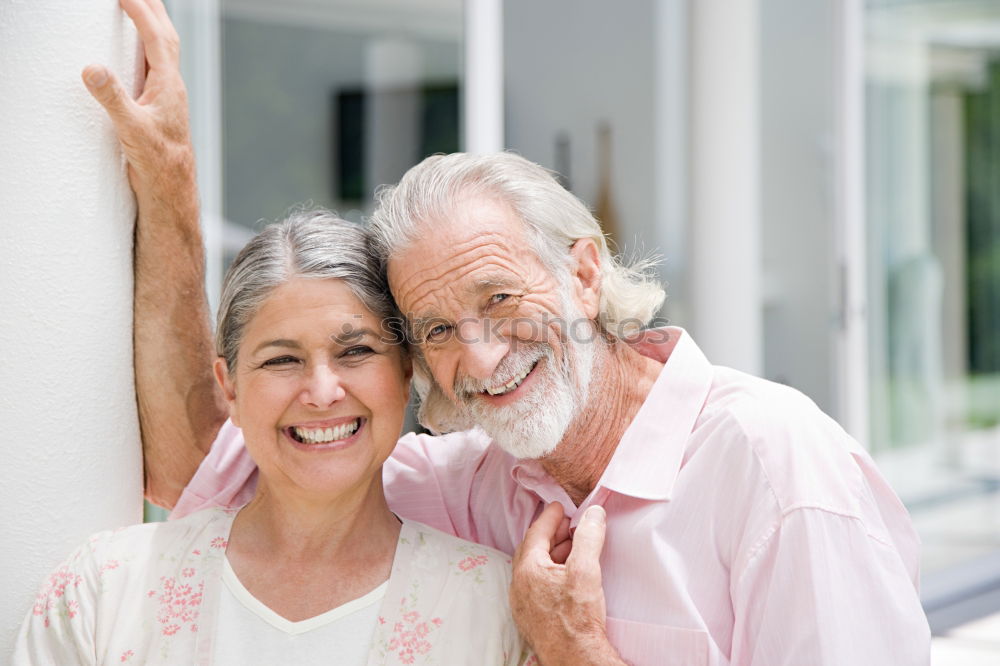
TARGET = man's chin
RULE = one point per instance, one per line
(531, 451)
(524, 443)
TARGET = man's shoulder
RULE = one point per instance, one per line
(778, 434)
(453, 449)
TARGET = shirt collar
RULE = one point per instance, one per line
(649, 455)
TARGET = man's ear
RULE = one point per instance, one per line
(228, 388)
(587, 276)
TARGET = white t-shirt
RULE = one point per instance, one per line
(248, 632)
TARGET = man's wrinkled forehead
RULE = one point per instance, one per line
(477, 234)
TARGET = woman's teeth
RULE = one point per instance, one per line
(326, 435)
(511, 385)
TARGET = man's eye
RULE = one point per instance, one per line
(498, 298)
(437, 333)
(279, 361)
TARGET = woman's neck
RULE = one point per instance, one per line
(303, 555)
(300, 525)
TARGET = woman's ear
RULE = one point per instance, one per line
(406, 361)
(587, 276)
(228, 387)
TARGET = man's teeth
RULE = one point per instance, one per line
(326, 435)
(511, 385)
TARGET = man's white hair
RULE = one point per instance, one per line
(554, 220)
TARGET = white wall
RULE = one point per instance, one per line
(70, 442)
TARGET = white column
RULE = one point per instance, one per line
(70, 443)
(482, 109)
(724, 262)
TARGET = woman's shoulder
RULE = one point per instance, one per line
(119, 583)
(451, 571)
(201, 534)
(440, 551)
(447, 600)
(210, 525)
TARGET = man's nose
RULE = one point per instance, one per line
(323, 387)
(482, 349)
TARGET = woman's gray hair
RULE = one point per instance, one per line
(312, 244)
(554, 218)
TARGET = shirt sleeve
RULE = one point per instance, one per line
(59, 628)
(227, 477)
(432, 480)
(821, 589)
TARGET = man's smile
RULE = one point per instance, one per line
(512, 384)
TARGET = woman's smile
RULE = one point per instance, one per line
(326, 436)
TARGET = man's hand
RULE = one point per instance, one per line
(559, 608)
(180, 408)
(153, 129)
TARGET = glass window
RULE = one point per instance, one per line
(324, 101)
(933, 217)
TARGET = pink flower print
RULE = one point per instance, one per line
(196, 552)
(126, 655)
(109, 565)
(187, 572)
(381, 620)
(470, 563)
(219, 542)
(410, 636)
(53, 591)
(179, 604)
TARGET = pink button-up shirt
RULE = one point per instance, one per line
(744, 525)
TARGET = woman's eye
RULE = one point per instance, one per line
(280, 361)
(498, 298)
(359, 350)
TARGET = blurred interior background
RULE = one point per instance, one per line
(857, 149)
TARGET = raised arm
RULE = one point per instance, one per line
(180, 410)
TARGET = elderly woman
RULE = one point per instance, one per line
(315, 568)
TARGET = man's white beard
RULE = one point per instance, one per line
(533, 426)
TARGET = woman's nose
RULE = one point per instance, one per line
(323, 387)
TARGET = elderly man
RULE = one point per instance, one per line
(742, 525)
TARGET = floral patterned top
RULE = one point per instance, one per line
(147, 594)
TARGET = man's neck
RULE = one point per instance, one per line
(623, 380)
